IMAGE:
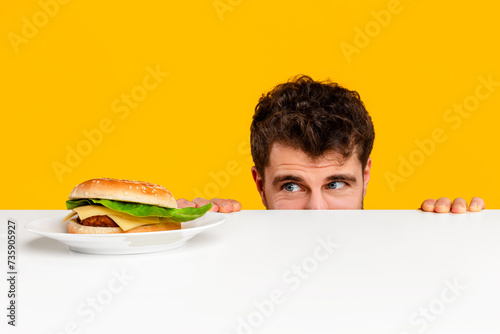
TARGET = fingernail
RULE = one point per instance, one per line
(473, 205)
(225, 204)
(439, 205)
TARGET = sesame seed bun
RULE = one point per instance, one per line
(125, 190)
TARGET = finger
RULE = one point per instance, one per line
(443, 205)
(202, 201)
(459, 205)
(236, 205)
(184, 203)
(223, 204)
(476, 204)
(428, 205)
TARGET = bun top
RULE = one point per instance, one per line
(125, 190)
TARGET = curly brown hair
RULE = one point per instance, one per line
(315, 117)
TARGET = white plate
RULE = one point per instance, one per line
(122, 243)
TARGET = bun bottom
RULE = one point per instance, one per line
(74, 227)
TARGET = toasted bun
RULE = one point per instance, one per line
(155, 227)
(125, 190)
(74, 227)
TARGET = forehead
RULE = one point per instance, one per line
(286, 157)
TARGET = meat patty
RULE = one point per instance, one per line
(98, 221)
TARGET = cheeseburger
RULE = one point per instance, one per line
(105, 205)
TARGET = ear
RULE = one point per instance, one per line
(259, 183)
(366, 175)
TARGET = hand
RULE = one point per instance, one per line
(218, 204)
(459, 205)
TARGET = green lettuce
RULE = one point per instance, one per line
(143, 210)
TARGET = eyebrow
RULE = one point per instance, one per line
(287, 177)
(335, 177)
(342, 177)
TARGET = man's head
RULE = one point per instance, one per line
(311, 143)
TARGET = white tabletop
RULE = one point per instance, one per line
(270, 272)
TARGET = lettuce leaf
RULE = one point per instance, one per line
(143, 210)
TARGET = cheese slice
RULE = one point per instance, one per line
(124, 220)
(69, 216)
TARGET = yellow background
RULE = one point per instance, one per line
(191, 133)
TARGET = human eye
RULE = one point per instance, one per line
(336, 185)
(290, 186)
